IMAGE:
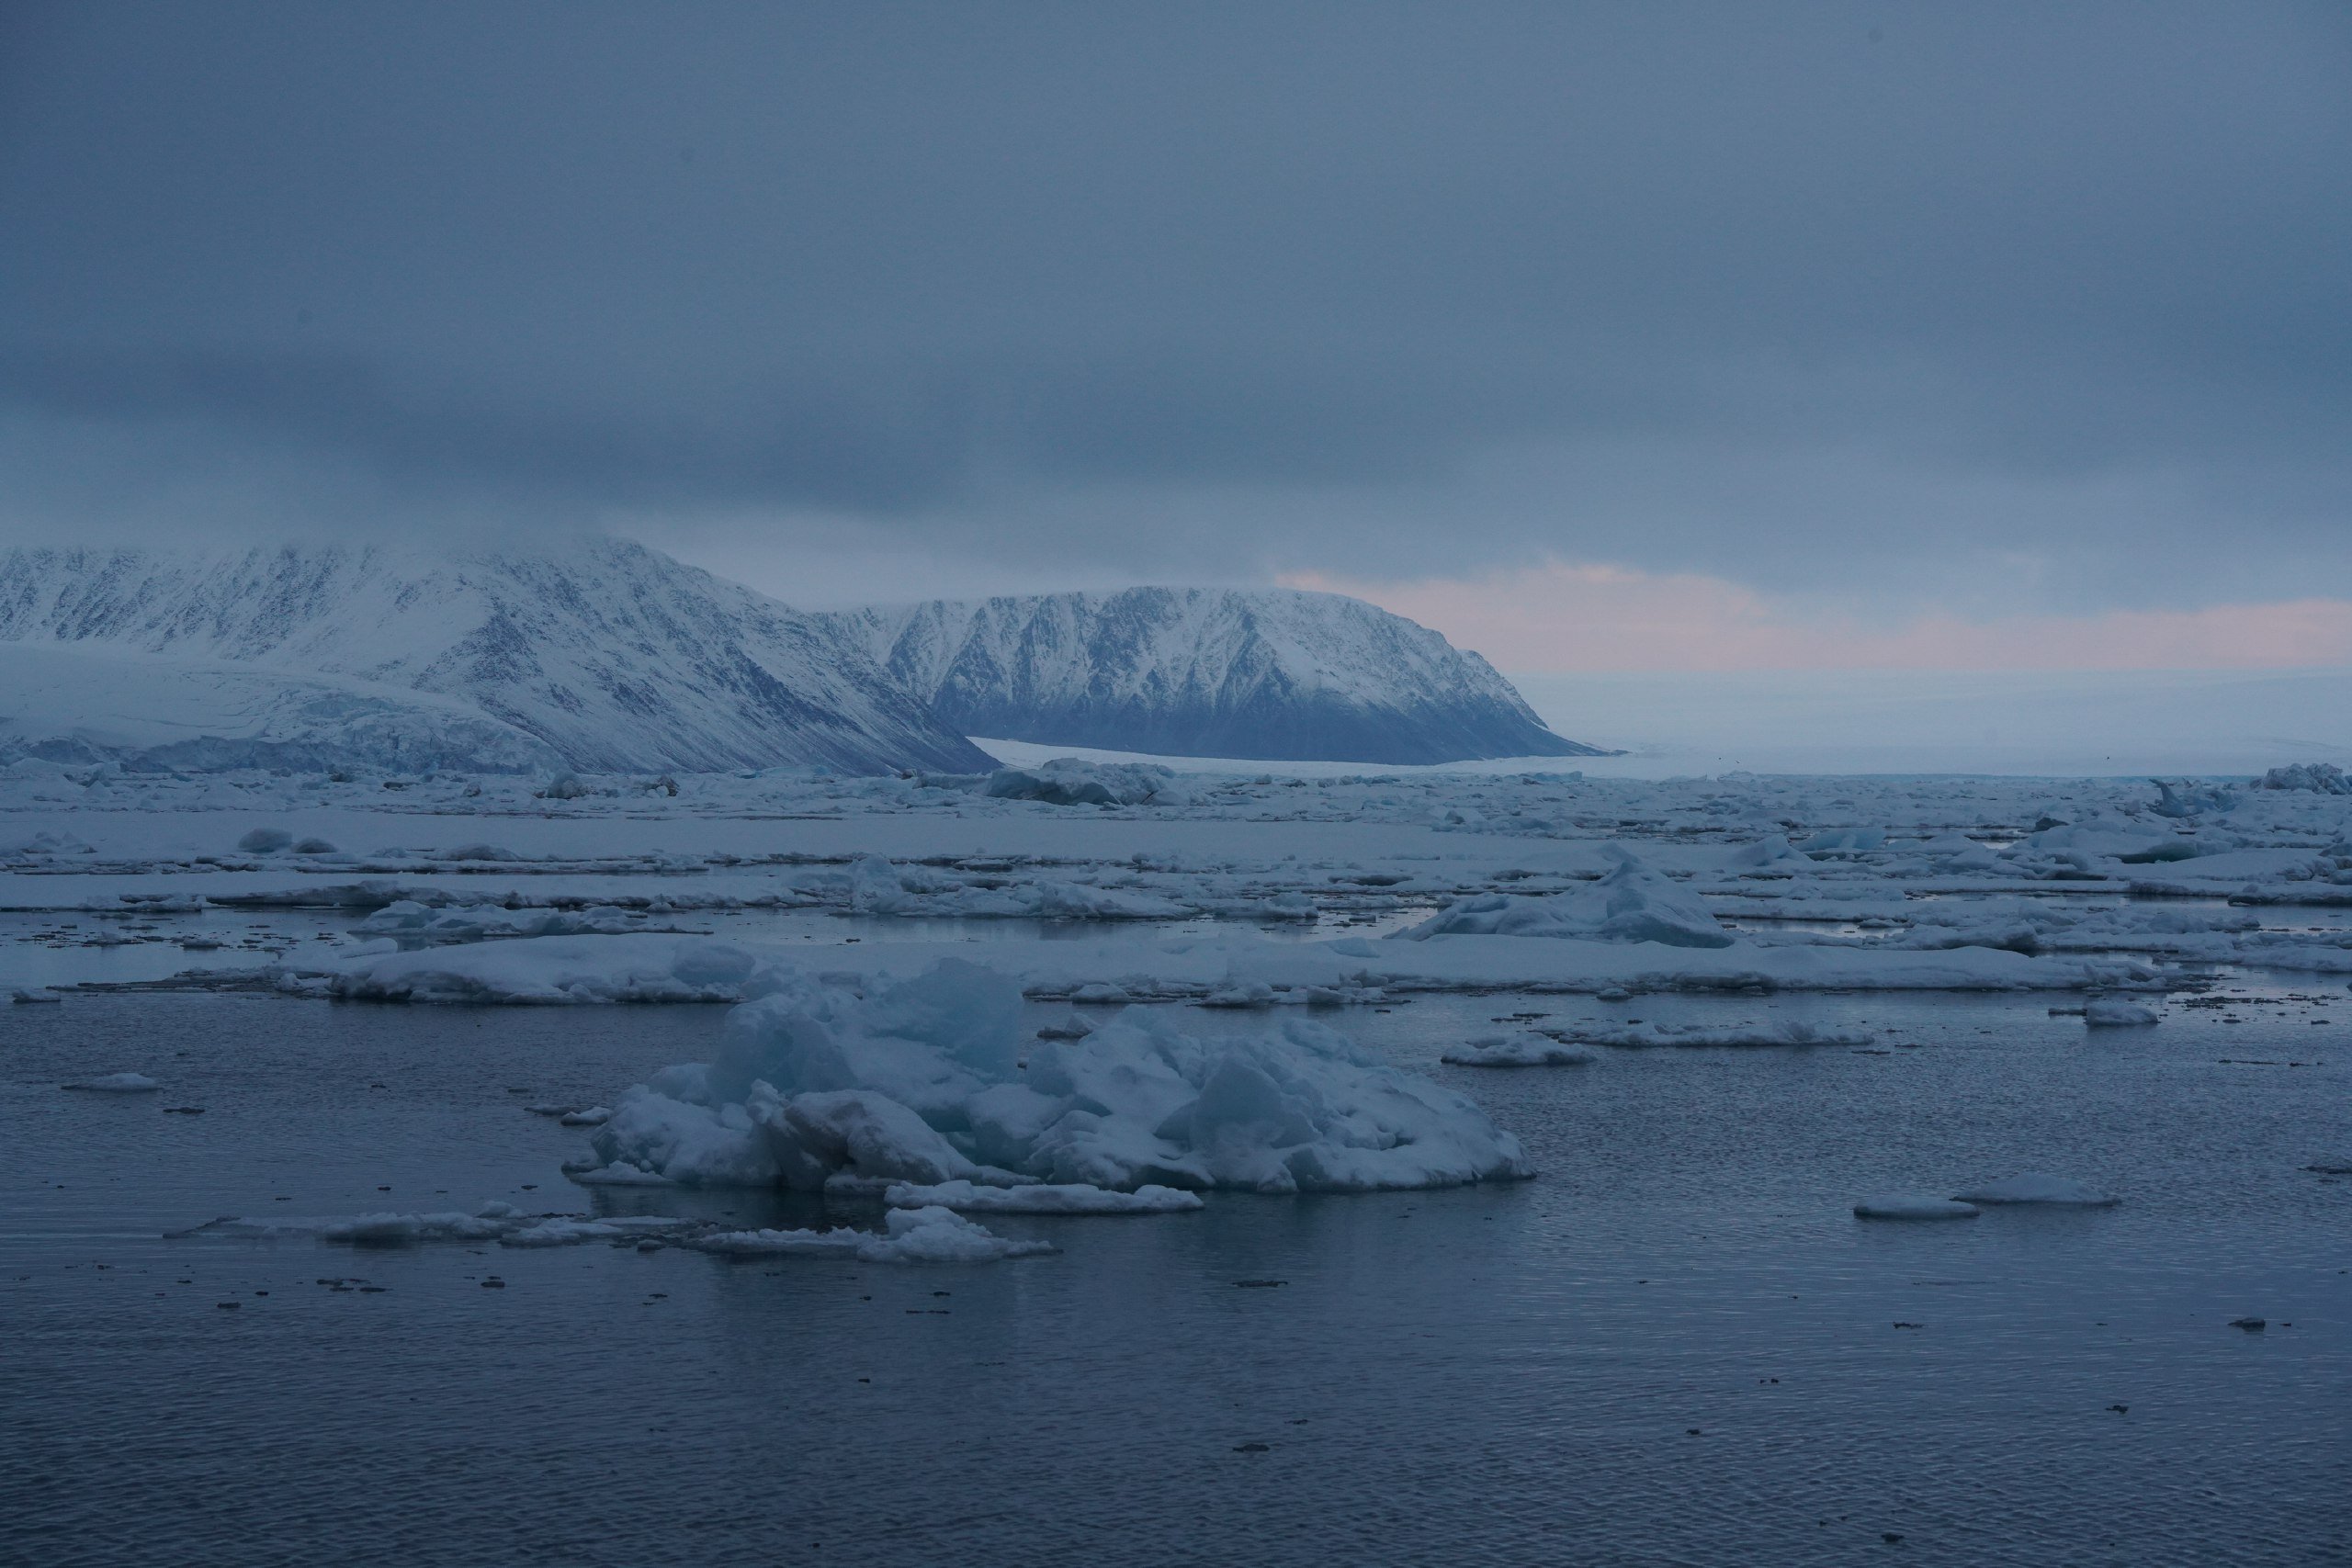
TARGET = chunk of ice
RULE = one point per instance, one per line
(1907, 1206)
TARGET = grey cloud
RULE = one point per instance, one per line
(1786, 293)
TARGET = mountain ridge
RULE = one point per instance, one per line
(1271, 674)
(616, 656)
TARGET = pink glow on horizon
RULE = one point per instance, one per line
(1562, 617)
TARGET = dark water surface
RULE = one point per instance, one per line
(1676, 1346)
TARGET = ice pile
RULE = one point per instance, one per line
(1633, 903)
(934, 1080)
(1069, 781)
(2319, 778)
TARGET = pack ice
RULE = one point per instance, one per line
(933, 1081)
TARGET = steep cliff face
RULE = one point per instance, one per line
(617, 657)
(1274, 675)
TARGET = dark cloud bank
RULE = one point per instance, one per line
(1876, 294)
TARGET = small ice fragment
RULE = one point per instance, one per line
(118, 1083)
(2035, 1188)
(1906, 1206)
(2107, 1012)
(37, 995)
(266, 841)
(1524, 1049)
(1065, 1198)
(2251, 1325)
(620, 1173)
(595, 1116)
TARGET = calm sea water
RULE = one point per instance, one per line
(1675, 1346)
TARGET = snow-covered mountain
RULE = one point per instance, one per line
(81, 702)
(613, 656)
(1270, 673)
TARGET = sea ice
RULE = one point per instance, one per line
(1042, 1198)
(2108, 1012)
(1524, 1049)
(931, 1235)
(1907, 1206)
(118, 1083)
(1070, 781)
(935, 1079)
(1785, 1032)
(1633, 903)
(2034, 1188)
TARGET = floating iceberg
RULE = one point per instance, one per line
(2107, 1012)
(1632, 903)
(1071, 781)
(934, 1079)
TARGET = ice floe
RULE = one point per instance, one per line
(1912, 1206)
(117, 1083)
(1523, 1049)
(932, 1234)
(1783, 1031)
(2035, 1188)
(1042, 1198)
(923, 1234)
(933, 1080)
(1633, 903)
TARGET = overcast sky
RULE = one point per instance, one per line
(1872, 318)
